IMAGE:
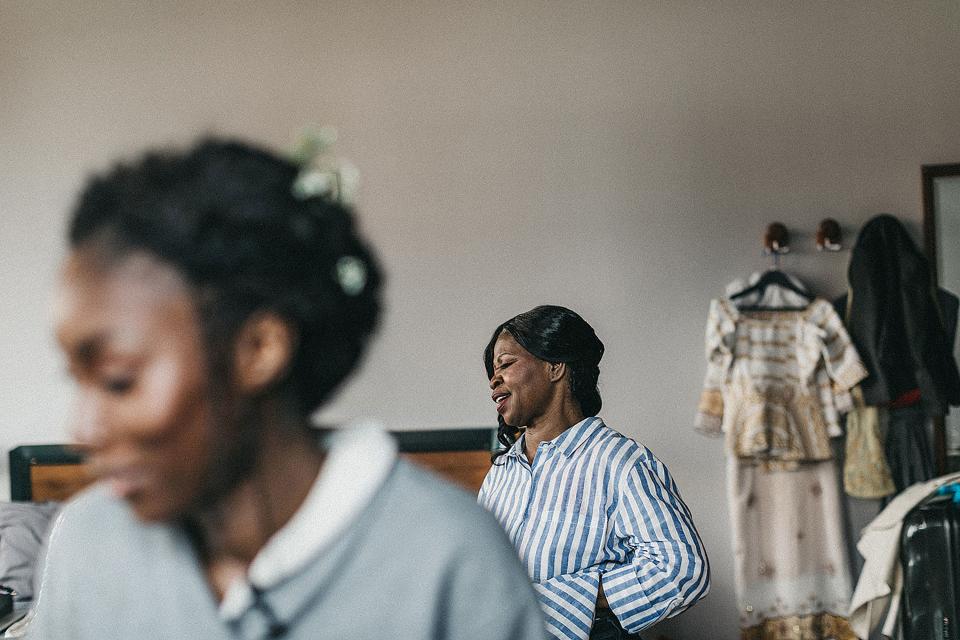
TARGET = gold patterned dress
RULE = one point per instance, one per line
(776, 384)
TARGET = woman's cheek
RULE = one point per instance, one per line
(158, 399)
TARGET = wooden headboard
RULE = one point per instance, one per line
(41, 472)
(55, 471)
(460, 455)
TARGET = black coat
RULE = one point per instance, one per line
(899, 326)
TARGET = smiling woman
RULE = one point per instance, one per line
(206, 309)
(596, 518)
(134, 347)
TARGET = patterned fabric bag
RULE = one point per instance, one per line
(865, 470)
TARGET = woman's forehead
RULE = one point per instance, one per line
(506, 344)
(117, 298)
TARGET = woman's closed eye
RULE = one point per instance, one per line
(118, 385)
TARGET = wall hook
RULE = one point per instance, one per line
(829, 235)
(776, 240)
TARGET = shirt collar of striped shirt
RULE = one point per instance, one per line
(567, 442)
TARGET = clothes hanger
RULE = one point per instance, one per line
(772, 277)
(776, 242)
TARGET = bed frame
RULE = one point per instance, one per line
(41, 472)
(55, 471)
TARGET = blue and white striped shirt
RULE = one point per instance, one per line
(596, 506)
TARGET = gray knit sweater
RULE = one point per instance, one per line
(421, 561)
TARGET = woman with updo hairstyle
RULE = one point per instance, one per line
(207, 308)
(597, 519)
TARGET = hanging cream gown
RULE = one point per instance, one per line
(775, 386)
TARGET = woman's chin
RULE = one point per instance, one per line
(152, 509)
(511, 421)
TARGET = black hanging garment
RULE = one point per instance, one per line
(905, 335)
(897, 322)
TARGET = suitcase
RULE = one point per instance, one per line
(930, 554)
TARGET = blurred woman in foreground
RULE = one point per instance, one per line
(207, 308)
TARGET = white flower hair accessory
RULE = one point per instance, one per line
(351, 274)
(321, 173)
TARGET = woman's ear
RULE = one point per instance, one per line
(263, 352)
(557, 371)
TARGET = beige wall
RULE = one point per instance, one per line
(621, 158)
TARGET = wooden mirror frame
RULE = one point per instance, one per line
(929, 173)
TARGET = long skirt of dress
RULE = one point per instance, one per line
(792, 568)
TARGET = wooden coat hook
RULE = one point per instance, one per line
(829, 235)
(776, 239)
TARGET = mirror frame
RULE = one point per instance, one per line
(929, 173)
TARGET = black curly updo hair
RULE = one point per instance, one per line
(224, 215)
(553, 334)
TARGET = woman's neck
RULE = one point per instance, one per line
(234, 529)
(549, 426)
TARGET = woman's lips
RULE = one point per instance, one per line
(502, 402)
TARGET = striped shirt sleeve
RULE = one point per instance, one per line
(667, 569)
(568, 602)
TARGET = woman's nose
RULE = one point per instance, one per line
(495, 380)
(86, 424)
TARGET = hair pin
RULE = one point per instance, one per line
(322, 174)
(351, 275)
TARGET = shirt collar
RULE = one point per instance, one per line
(338, 495)
(573, 438)
(567, 442)
(516, 449)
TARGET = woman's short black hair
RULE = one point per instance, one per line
(223, 213)
(555, 334)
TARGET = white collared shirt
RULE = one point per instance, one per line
(338, 495)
